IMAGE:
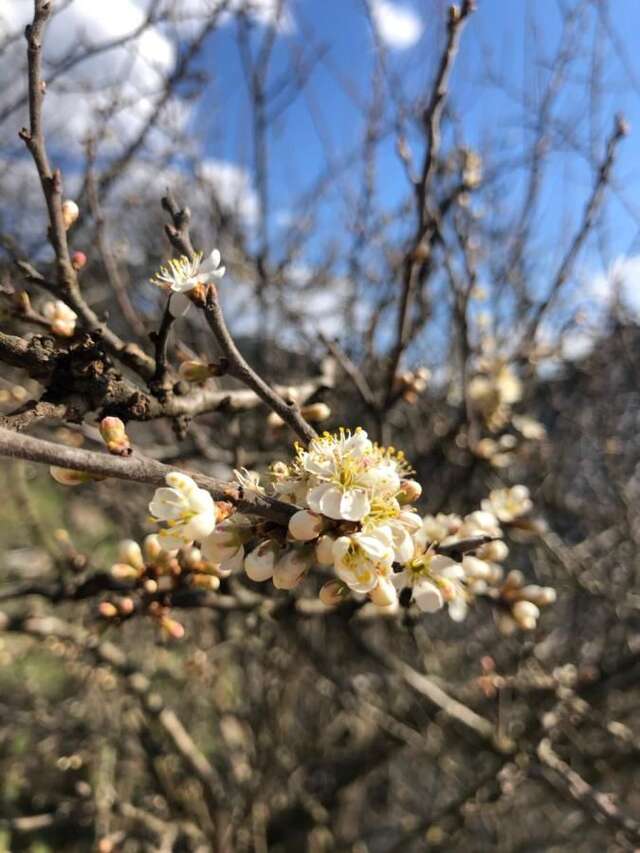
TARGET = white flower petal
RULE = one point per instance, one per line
(427, 596)
(354, 505)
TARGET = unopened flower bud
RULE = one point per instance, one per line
(174, 629)
(506, 625)
(126, 606)
(494, 552)
(210, 582)
(526, 615)
(78, 260)
(324, 550)
(316, 412)
(260, 563)
(62, 319)
(539, 595)
(22, 301)
(131, 553)
(291, 568)
(107, 610)
(70, 477)
(514, 580)
(124, 572)
(410, 491)
(115, 436)
(194, 371)
(333, 593)
(191, 558)
(150, 586)
(384, 594)
(70, 212)
(305, 525)
(274, 420)
(151, 548)
(476, 568)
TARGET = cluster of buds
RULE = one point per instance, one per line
(61, 318)
(313, 413)
(410, 384)
(519, 603)
(115, 436)
(154, 576)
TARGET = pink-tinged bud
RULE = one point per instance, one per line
(78, 260)
(124, 572)
(305, 525)
(324, 550)
(107, 610)
(195, 371)
(115, 436)
(384, 594)
(131, 553)
(526, 615)
(410, 491)
(259, 564)
(126, 606)
(333, 593)
(316, 412)
(291, 568)
(172, 628)
(70, 477)
(70, 213)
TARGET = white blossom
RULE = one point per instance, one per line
(183, 510)
(434, 580)
(182, 274)
(508, 504)
(362, 558)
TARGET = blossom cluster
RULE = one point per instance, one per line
(492, 392)
(355, 527)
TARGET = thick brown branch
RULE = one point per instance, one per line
(136, 468)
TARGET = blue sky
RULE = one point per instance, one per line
(516, 38)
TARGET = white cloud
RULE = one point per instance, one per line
(130, 75)
(187, 13)
(233, 187)
(398, 26)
